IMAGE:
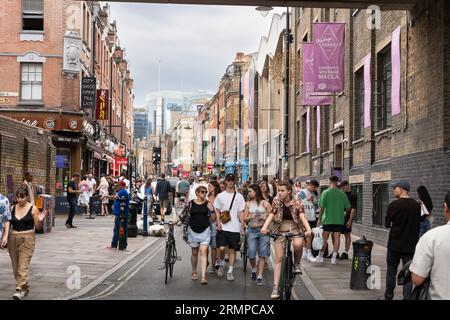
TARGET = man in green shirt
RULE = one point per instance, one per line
(333, 203)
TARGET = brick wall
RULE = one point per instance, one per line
(23, 149)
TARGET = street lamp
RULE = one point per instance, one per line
(288, 39)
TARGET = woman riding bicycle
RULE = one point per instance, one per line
(255, 214)
(289, 216)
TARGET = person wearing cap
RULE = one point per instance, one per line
(121, 192)
(229, 233)
(349, 216)
(403, 220)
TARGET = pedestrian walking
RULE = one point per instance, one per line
(72, 198)
(103, 190)
(265, 191)
(426, 206)
(309, 200)
(111, 192)
(213, 192)
(5, 218)
(333, 203)
(432, 259)
(28, 183)
(148, 192)
(289, 216)
(229, 206)
(403, 220)
(196, 215)
(92, 183)
(123, 177)
(121, 196)
(162, 193)
(183, 188)
(350, 215)
(255, 214)
(85, 194)
(223, 186)
(25, 219)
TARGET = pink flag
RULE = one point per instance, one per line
(367, 91)
(396, 69)
(308, 76)
(318, 128)
(329, 50)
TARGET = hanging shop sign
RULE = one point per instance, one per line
(102, 104)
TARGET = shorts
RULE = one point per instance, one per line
(313, 224)
(287, 226)
(196, 239)
(164, 203)
(345, 229)
(213, 243)
(230, 239)
(333, 227)
(257, 243)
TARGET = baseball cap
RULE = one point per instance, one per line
(402, 184)
(230, 176)
(122, 183)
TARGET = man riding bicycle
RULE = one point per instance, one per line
(289, 216)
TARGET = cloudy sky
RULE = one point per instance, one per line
(195, 44)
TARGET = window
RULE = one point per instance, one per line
(383, 108)
(33, 15)
(31, 81)
(359, 105)
(357, 190)
(325, 128)
(380, 203)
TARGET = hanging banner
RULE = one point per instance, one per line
(308, 78)
(396, 70)
(318, 128)
(329, 50)
(102, 104)
(367, 91)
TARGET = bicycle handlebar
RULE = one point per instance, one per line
(286, 234)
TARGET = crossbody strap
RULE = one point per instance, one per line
(231, 205)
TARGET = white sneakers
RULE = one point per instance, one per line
(304, 255)
(333, 261)
(275, 294)
(19, 294)
(317, 259)
(230, 276)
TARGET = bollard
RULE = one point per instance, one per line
(145, 217)
(362, 251)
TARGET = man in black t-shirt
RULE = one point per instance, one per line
(349, 216)
(72, 197)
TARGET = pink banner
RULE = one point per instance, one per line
(396, 69)
(308, 130)
(318, 128)
(329, 50)
(367, 91)
(308, 77)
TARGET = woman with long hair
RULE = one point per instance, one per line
(197, 214)
(425, 201)
(255, 214)
(148, 192)
(26, 218)
(265, 191)
(213, 191)
(289, 216)
(103, 190)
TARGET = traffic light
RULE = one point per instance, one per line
(156, 158)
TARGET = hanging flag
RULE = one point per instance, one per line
(102, 104)
(308, 77)
(396, 70)
(329, 50)
(367, 91)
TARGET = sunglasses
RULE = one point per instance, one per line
(202, 191)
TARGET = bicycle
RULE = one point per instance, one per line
(170, 256)
(244, 253)
(287, 275)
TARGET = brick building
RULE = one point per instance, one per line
(48, 47)
(412, 145)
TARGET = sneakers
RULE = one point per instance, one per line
(305, 255)
(333, 261)
(230, 276)
(317, 259)
(220, 271)
(298, 269)
(253, 276)
(275, 294)
(259, 281)
(19, 294)
(310, 257)
(344, 256)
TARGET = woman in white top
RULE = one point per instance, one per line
(103, 189)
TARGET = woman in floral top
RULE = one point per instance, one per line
(288, 216)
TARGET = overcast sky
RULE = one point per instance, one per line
(194, 43)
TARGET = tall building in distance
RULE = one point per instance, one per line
(141, 124)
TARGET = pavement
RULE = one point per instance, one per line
(136, 273)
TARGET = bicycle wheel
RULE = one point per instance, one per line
(173, 259)
(286, 279)
(244, 255)
(167, 260)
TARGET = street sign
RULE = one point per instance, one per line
(88, 90)
(102, 107)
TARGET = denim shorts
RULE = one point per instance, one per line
(197, 239)
(213, 242)
(257, 243)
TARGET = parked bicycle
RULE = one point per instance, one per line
(244, 252)
(170, 256)
(287, 276)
